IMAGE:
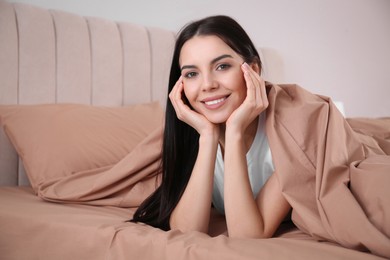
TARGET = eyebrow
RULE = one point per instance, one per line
(212, 61)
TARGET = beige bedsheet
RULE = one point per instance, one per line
(35, 229)
(336, 178)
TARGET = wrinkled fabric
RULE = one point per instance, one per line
(125, 184)
(74, 231)
(336, 180)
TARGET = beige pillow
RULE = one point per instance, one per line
(58, 140)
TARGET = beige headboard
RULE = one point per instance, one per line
(49, 56)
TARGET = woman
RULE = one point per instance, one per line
(214, 126)
(332, 172)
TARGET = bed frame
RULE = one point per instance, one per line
(51, 56)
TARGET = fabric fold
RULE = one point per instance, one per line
(335, 173)
(315, 152)
(125, 184)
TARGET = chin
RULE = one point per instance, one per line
(217, 120)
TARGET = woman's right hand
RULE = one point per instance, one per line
(189, 116)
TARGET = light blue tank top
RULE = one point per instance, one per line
(259, 161)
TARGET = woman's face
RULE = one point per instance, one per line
(213, 80)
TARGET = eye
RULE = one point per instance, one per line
(190, 74)
(223, 66)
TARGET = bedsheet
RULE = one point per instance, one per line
(32, 228)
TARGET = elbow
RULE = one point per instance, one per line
(186, 226)
(251, 236)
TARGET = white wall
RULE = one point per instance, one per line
(338, 48)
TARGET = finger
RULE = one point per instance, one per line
(183, 111)
(251, 90)
(178, 96)
(177, 102)
(263, 90)
(176, 89)
(261, 93)
(175, 96)
(256, 82)
(171, 93)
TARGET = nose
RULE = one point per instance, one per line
(209, 83)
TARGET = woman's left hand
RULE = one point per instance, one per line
(255, 102)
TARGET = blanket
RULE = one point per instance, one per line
(336, 180)
(335, 177)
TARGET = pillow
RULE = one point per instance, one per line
(57, 140)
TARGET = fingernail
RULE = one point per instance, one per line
(245, 65)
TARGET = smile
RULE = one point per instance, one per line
(213, 102)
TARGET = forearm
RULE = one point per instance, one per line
(242, 214)
(193, 209)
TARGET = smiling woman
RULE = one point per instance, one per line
(216, 97)
(254, 150)
(227, 96)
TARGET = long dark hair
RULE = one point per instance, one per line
(180, 144)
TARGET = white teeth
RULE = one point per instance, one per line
(213, 102)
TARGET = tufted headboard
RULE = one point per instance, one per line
(49, 56)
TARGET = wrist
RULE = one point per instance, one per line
(232, 133)
(209, 137)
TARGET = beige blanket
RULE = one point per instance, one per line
(335, 178)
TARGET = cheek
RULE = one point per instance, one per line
(236, 82)
(240, 88)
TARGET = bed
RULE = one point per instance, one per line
(81, 112)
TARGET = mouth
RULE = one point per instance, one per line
(214, 102)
